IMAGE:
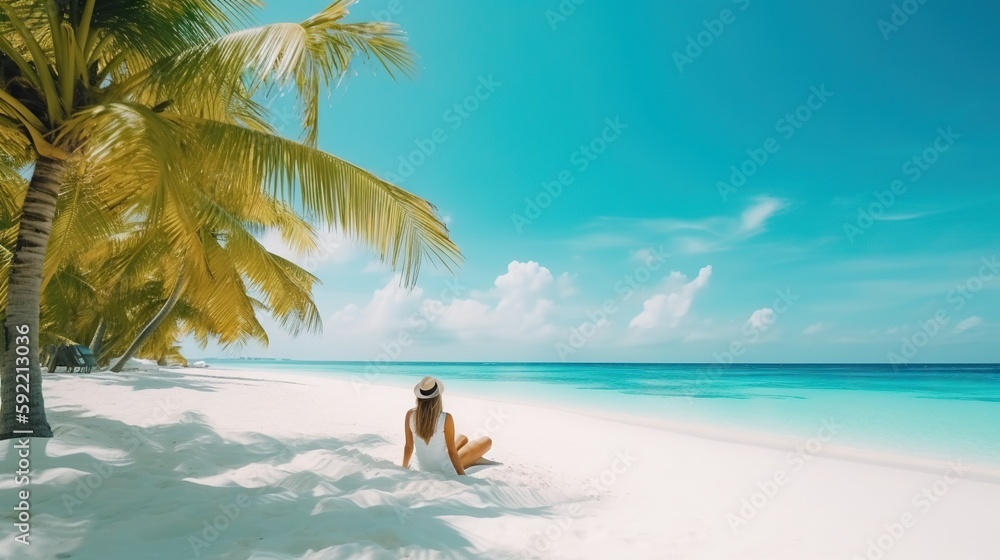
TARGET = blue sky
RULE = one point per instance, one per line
(676, 182)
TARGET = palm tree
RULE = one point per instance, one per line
(119, 91)
(99, 265)
(116, 285)
(239, 265)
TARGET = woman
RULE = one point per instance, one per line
(437, 448)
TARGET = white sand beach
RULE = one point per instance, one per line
(144, 463)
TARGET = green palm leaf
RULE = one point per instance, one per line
(401, 229)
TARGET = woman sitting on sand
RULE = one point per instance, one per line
(437, 448)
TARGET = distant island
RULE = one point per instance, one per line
(253, 358)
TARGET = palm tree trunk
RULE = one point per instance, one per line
(98, 340)
(150, 328)
(22, 372)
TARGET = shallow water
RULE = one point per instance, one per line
(941, 411)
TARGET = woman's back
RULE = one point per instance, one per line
(433, 454)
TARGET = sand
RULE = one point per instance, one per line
(207, 463)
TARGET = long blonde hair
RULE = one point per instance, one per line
(426, 415)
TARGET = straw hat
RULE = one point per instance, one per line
(428, 388)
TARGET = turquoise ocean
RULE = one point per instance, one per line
(932, 411)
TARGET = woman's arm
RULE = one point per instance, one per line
(408, 446)
(449, 437)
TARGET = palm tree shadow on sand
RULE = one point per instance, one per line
(103, 489)
(166, 379)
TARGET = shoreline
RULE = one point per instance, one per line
(712, 431)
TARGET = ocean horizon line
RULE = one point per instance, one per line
(487, 362)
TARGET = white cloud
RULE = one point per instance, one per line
(670, 308)
(640, 256)
(648, 255)
(695, 246)
(519, 307)
(273, 243)
(761, 318)
(565, 284)
(689, 236)
(901, 217)
(334, 248)
(523, 279)
(522, 310)
(813, 328)
(970, 323)
(388, 310)
(375, 267)
(755, 217)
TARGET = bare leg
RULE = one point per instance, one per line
(474, 451)
(460, 440)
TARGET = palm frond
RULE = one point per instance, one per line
(310, 55)
(401, 229)
(153, 174)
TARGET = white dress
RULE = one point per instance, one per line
(433, 455)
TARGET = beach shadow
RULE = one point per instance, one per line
(143, 380)
(146, 380)
(481, 465)
(102, 488)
